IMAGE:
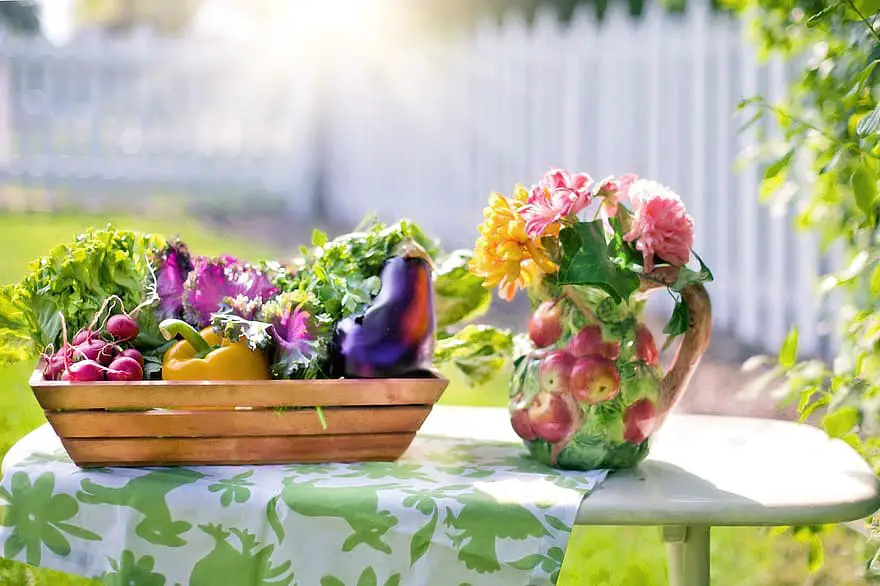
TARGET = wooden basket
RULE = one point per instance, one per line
(178, 423)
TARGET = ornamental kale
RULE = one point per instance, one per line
(225, 282)
(172, 266)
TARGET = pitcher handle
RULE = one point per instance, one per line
(693, 344)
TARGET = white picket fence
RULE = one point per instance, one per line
(428, 132)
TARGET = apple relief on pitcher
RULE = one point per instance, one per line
(588, 390)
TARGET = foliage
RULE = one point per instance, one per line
(830, 141)
(73, 280)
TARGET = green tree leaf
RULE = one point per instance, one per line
(864, 186)
(776, 168)
(274, 520)
(393, 580)
(788, 351)
(869, 124)
(815, 554)
(331, 581)
(319, 238)
(875, 280)
(839, 423)
(586, 261)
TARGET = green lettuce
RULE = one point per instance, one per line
(74, 280)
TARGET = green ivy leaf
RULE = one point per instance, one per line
(587, 262)
(679, 322)
(788, 351)
(864, 186)
(838, 423)
(688, 276)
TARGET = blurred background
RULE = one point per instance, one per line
(243, 124)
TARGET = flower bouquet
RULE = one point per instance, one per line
(587, 391)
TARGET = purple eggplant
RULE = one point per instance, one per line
(395, 335)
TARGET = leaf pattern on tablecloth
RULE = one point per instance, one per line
(38, 517)
(248, 565)
(451, 511)
(146, 494)
(235, 488)
(356, 505)
(129, 571)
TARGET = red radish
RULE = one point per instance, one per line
(125, 368)
(132, 353)
(52, 366)
(84, 371)
(107, 354)
(82, 336)
(90, 349)
(122, 327)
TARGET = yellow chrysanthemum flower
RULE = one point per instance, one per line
(504, 255)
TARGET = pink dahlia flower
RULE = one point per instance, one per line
(571, 192)
(661, 226)
(541, 211)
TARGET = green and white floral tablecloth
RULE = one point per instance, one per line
(450, 512)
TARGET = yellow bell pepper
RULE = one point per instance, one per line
(206, 356)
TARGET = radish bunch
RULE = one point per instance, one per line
(95, 353)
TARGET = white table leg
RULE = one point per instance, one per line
(688, 555)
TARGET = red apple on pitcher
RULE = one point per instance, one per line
(553, 416)
(639, 421)
(646, 349)
(555, 371)
(545, 325)
(594, 380)
(589, 342)
(522, 425)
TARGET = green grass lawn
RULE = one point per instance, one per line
(596, 557)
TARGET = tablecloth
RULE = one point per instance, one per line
(451, 511)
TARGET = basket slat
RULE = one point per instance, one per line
(57, 395)
(237, 450)
(351, 420)
(180, 423)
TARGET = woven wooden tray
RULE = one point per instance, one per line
(176, 423)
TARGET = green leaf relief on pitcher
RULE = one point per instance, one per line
(233, 489)
(146, 494)
(475, 529)
(37, 517)
(129, 571)
(356, 505)
(250, 565)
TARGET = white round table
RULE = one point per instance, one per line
(702, 471)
